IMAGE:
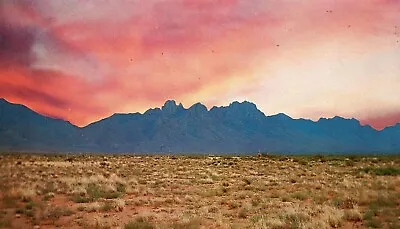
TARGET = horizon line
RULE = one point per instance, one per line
(208, 110)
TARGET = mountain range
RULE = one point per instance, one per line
(237, 128)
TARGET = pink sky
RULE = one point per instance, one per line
(85, 60)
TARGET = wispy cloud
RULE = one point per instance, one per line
(305, 58)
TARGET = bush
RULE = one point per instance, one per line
(192, 224)
(243, 212)
(384, 171)
(5, 223)
(57, 212)
(352, 215)
(247, 181)
(374, 223)
(94, 192)
(384, 201)
(29, 206)
(107, 206)
(299, 196)
(139, 223)
(295, 220)
(81, 199)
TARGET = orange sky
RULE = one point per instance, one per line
(85, 60)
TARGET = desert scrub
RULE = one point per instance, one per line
(299, 195)
(247, 181)
(352, 215)
(94, 192)
(10, 201)
(29, 209)
(93, 207)
(285, 198)
(176, 189)
(139, 223)
(12, 196)
(107, 206)
(295, 219)
(381, 171)
(121, 188)
(81, 199)
(345, 203)
(374, 223)
(5, 223)
(57, 212)
(243, 213)
(191, 224)
(30, 205)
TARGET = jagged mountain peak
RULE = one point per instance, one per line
(170, 107)
(280, 116)
(153, 111)
(338, 119)
(239, 127)
(198, 108)
(245, 103)
(244, 108)
(169, 104)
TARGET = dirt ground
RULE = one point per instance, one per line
(131, 191)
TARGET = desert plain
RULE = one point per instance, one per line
(44, 191)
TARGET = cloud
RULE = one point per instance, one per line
(15, 45)
(33, 95)
(84, 60)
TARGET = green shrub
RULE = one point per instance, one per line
(384, 171)
(139, 223)
(383, 201)
(243, 212)
(94, 192)
(374, 223)
(247, 181)
(29, 205)
(57, 212)
(121, 188)
(352, 215)
(295, 220)
(192, 224)
(299, 196)
(5, 223)
(107, 206)
(81, 199)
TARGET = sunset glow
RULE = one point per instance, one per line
(85, 60)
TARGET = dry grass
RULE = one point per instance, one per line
(97, 191)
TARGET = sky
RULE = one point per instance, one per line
(85, 60)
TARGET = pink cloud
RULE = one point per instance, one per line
(101, 57)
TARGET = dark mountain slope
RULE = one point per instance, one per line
(24, 129)
(237, 128)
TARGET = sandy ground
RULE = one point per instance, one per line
(89, 191)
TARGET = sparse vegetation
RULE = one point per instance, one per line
(107, 206)
(191, 224)
(299, 196)
(57, 212)
(138, 191)
(384, 171)
(5, 223)
(139, 223)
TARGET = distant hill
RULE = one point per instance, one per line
(24, 129)
(237, 128)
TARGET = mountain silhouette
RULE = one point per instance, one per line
(24, 129)
(237, 128)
